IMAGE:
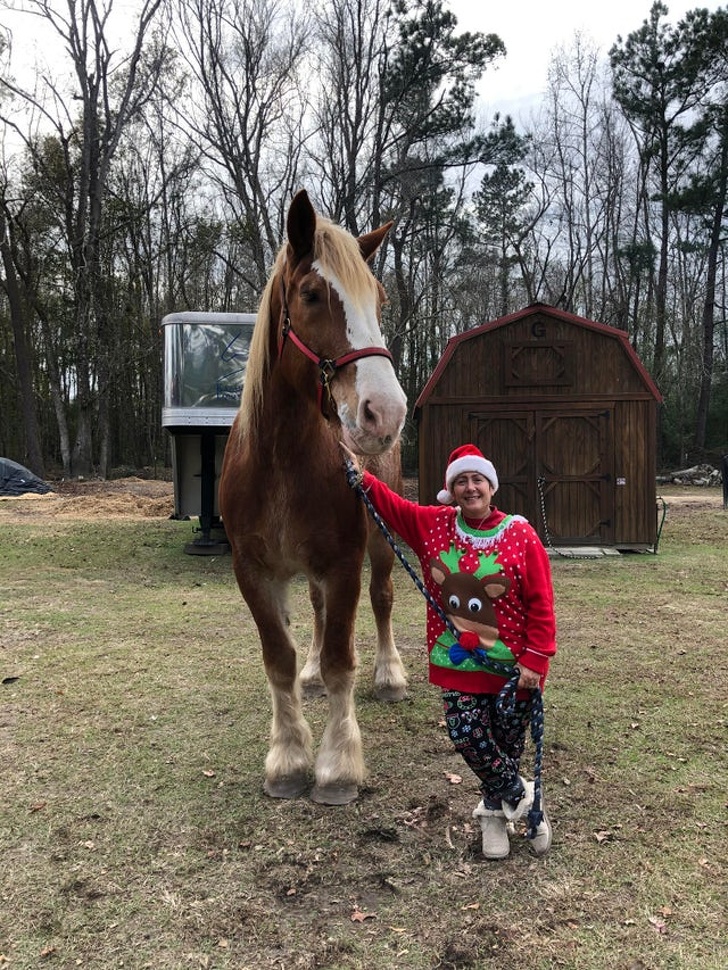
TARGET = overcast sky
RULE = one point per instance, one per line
(533, 29)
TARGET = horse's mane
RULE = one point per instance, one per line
(339, 256)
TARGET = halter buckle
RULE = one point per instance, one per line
(327, 369)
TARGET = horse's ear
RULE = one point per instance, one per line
(370, 242)
(301, 226)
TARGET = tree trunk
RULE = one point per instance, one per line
(706, 376)
(33, 457)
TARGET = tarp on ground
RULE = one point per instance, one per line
(17, 480)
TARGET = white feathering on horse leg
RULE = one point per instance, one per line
(290, 754)
(390, 680)
(339, 766)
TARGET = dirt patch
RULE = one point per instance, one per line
(690, 497)
(122, 498)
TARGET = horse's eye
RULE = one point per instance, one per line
(309, 295)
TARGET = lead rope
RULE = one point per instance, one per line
(541, 481)
(506, 701)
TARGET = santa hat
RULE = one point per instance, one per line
(466, 458)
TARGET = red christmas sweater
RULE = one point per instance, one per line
(493, 583)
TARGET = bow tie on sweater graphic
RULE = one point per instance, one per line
(467, 646)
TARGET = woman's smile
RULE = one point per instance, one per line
(473, 492)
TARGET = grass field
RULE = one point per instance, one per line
(133, 726)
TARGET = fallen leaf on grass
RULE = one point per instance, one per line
(208, 773)
(415, 819)
(358, 917)
(471, 906)
(453, 778)
(659, 925)
(603, 836)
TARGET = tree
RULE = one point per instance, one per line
(706, 39)
(246, 57)
(355, 39)
(109, 91)
(428, 144)
(502, 205)
(18, 309)
(658, 89)
(20, 324)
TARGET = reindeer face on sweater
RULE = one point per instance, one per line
(467, 598)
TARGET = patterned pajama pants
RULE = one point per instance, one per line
(490, 743)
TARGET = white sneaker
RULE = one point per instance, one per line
(514, 812)
(495, 835)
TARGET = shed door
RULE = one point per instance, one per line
(553, 465)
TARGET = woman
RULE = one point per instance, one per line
(491, 575)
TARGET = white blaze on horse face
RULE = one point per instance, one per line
(373, 407)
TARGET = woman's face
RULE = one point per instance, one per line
(472, 492)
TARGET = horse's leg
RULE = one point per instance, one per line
(339, 768)
(290, 755)
(390, 679)
(310, 678)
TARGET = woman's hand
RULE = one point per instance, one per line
(350, 455)
(353, 473)
(529, 679)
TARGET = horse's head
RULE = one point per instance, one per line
(327, 304)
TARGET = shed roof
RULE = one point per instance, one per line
(542, 308)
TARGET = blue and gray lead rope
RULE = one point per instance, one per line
(507, 696)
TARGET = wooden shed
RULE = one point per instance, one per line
(566, 412)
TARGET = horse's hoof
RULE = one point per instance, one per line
(334, 794)
(313, 689)
(390, 695)
(291, 787)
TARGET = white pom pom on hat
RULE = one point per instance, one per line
(466, 458)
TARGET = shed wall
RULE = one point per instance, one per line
(550, 402)
(566, 363)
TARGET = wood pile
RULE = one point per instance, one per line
(698, 475)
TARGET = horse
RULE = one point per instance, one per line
(318, 373)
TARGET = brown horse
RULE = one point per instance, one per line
(318, 373)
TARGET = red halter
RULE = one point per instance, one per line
(327, 366)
